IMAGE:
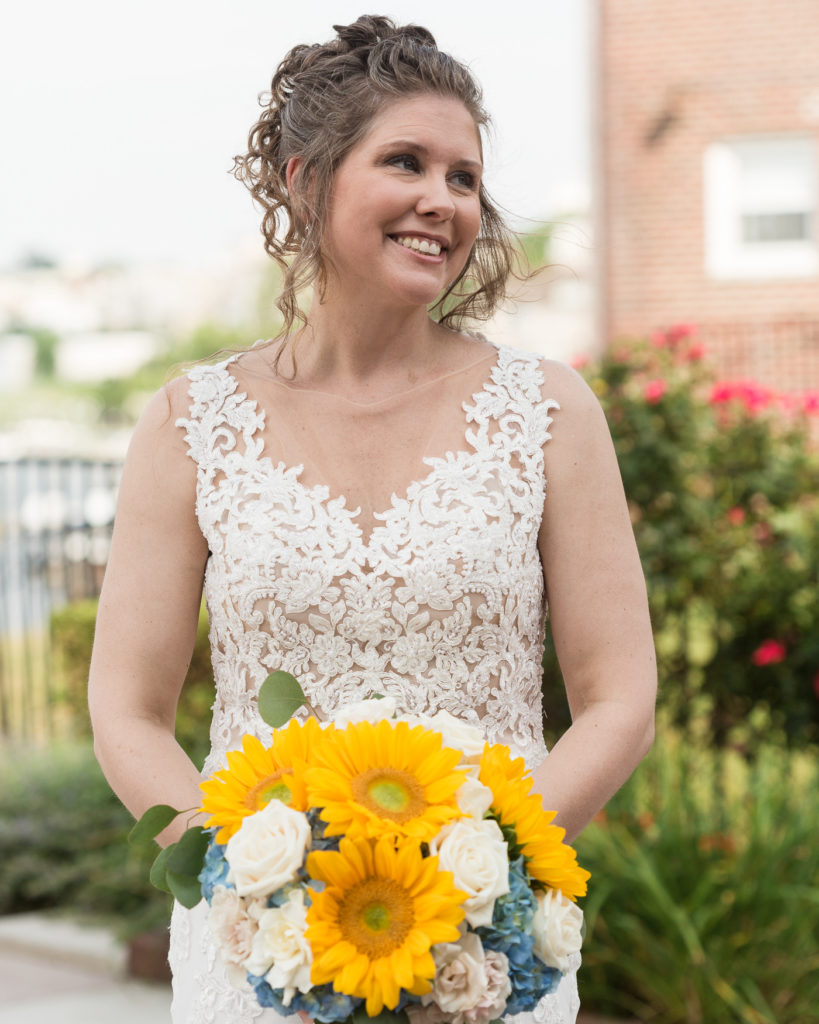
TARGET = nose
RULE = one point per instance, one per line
(436, 198)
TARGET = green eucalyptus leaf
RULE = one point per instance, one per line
(184, 888)
(280, 696)
(151, 823)
(159, 869)
(188, 856)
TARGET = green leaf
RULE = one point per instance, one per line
(151, 823)
(159, 869)
(189, 853)
(184, 888)
(359, 1016)
(280, 696)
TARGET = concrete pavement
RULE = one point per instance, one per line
(53, 971)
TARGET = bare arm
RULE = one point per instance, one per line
(598, 609)
(147, 619)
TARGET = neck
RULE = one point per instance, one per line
(352, 347)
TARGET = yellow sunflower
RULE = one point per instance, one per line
(256, 774)
(548, 859)
(385, 778)
(372, 926)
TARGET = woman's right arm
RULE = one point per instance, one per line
(148, 613)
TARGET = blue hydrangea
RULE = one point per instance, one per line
(531, 981)
(511, 933)
(514, 911)
(215, 868)
(322, 1003)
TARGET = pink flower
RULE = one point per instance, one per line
(753, 396)
(696, 352)
(735, 516)
(721, 393)
(680, 331)
(659, 339)
(579, 361)
(810, 403)
(771, 652)
(654, 390)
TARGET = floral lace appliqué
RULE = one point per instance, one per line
(441, 607)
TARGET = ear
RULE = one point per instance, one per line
(292, 173)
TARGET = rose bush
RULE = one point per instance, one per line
(722, 480)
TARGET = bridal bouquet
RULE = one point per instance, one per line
(384, 862)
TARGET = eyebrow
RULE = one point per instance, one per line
(417, 147)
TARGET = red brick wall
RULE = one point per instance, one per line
(692, 73)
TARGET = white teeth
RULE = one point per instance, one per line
(420, 244)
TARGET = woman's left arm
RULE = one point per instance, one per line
(598, 610)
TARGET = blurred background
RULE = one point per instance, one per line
(661, 163)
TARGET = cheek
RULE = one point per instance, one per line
(471, 222)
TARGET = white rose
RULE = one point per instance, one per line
(458, 734)
(281, 953)
(234, 924)
(268, 850)
(557, 928)
(373, 709)
(473, 798)
(476, 854)
(467, 987)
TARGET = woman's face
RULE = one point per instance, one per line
(404, 210)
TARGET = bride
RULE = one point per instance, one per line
(364, 499)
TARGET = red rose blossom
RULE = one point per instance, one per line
(771, 652)
(654, 390)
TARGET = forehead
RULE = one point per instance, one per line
(429, 117)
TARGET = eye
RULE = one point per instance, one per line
(405, 161)
(464, 179)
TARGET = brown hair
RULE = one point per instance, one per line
(321, 102)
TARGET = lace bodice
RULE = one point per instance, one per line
(442, 606)
(437, 600)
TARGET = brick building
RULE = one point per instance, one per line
(707, 173)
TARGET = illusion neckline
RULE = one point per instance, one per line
(491, 353)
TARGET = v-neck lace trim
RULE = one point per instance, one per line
(246, 415)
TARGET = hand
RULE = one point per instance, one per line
(305, 1017)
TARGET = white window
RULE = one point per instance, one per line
(761, 207)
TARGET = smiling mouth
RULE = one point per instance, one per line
(424, 246)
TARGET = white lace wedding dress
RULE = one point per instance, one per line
(342, 551)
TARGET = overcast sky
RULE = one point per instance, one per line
(119, 119)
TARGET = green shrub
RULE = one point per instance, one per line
(63, 842)
(72, 632)
(722, 481)
(703, 904)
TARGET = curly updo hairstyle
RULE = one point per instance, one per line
(321, 103)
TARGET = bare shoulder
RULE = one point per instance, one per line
(158, 468)
(579, 421)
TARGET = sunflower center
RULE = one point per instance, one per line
(390, 793)
(376, 916)
(271, 787)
